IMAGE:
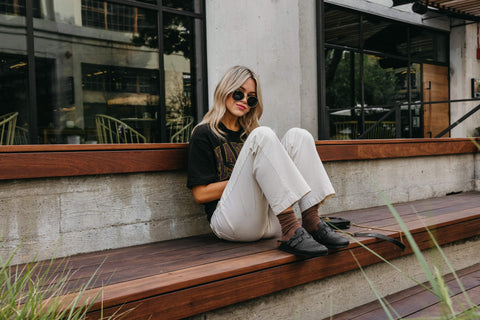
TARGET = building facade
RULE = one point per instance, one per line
(70, 67)
(340, 69)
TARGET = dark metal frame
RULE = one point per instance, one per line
(32, 86)
(323, 121)
(323, 118)
(199, 75)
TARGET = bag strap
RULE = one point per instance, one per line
(380, 236)
(342, 224)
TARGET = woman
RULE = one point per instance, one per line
(248, 180)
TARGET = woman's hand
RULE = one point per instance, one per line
(208, 192)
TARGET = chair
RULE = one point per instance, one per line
(7, 128)
(384, 130)
(346, 130)
(111, 130)
(21, 136)
(181, 129)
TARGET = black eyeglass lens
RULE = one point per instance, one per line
(252, 101)
(238, 95)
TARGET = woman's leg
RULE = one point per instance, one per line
(300, 145)
(264, 183)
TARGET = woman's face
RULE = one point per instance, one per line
(239, 108)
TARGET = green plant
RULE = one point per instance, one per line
(435, 279)
(35, 291)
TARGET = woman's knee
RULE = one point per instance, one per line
(297, 135)
(264, 134)
(263, 131)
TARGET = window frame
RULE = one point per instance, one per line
(323, 110)
(59, 160)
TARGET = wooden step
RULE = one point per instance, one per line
(417, 302)
(185, 277)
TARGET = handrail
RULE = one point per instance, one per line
(396, 108)
(456, 123)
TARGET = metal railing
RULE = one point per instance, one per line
(397, 110)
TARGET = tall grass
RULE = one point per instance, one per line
(452, 307)
(34, 291)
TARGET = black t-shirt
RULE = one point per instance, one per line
(211, 159)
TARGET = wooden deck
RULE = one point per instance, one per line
(417, 302)
(184, 277)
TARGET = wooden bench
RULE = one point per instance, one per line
(417, 302)
(184, 277)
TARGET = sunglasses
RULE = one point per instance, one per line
(238, 95)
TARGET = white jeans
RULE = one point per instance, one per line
(270, 176)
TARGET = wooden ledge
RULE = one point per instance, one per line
(42, 161)
(393, 148)
(185, 277)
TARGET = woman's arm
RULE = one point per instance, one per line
(208, 192)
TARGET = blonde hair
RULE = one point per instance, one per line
(232, 80)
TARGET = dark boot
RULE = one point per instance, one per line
(302, 244)
(329, 238)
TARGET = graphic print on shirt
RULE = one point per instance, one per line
(226, 155)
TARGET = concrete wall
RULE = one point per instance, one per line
(64, 216)
(277, 40)
(464, 66)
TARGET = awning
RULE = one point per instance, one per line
(461, 9)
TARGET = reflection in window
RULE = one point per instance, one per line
(179, 4)
(126, 94)
(342, 95)
(179, 46)
(428, 45)
(366, 80)
(13, 84)
(120, 79)
(385, 36)
(116, 71)
(115, 17)
(18, 7)
(342, 27)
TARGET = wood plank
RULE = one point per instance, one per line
(132, 263)
(202, 298)
(435, 88)
(317, 268)
(411, 302)
(63, 164)
(204, 267)
(40, 161)
(170, 255)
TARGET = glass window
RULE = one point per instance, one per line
(385, 36)
(374, 89)
(178, 50)
(13, 82)
(18, 7)
(106, 81)
(342, 27)
(342, 92)
(428, 45)
(115, 17)
(180, 4)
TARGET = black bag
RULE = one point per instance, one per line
(342, 224)
(337, 222)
